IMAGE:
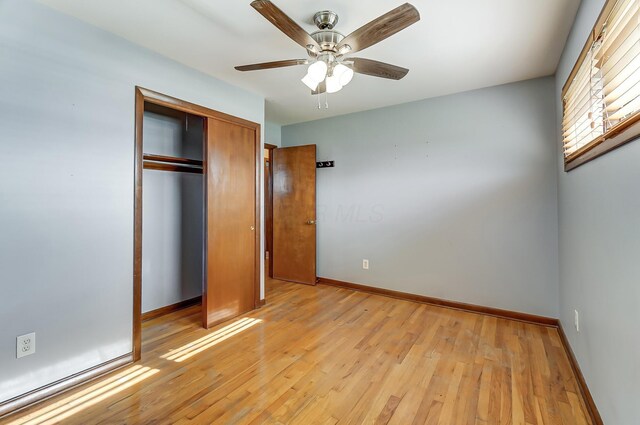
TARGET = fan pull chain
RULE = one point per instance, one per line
(326, 100)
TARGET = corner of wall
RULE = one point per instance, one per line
(272, 133)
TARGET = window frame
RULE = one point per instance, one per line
(617, 135)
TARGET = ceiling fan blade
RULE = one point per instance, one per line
(285, 24)
(377, 69)
(379, 29)
(322, 87)
(269, 65)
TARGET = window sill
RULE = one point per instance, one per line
(631, 133)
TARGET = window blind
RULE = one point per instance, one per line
(603, 96)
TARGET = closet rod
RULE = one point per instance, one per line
(150, 165)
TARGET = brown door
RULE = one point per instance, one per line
(294, 214)
(231, 221)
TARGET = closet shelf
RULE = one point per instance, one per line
(171, 163)
(171, 159)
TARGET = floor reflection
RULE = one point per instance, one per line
(77, 402)
(191, 349)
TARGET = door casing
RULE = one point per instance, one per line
(268, 207)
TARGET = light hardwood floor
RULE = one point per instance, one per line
(323, 355)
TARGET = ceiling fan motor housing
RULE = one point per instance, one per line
(327, 39)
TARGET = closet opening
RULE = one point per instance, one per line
(196, 213)
(172, 211)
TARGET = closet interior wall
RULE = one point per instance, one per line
(173, 210)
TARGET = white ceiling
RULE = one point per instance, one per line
(458, 45)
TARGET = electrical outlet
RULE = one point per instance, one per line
(25, 345)
(576, 320)
(365, 264)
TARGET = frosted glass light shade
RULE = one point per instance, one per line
(344, 74)
(310, 82)
(333, 84)
(317, 71)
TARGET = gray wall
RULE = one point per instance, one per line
(272, 133)
(453, 197)
(599, 252)
(66, 185)
(172, 223)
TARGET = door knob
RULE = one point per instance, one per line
(311, 222)
(252, 228)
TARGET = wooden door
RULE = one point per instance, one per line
(231, 250)
(294, 214)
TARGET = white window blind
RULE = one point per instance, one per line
(604, 92)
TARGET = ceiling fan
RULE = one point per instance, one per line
(330, 70)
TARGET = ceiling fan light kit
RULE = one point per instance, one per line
(330, 70)
(326, 68)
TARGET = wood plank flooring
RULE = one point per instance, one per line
(324, 355)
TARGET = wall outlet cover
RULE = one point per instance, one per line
(25, 345)
(365, 264)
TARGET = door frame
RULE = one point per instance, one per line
(268, 205)
(143, 95)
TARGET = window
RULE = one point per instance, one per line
(601, 98)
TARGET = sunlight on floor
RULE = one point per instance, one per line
(209, 340)
(66, 407)
(91, 395)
